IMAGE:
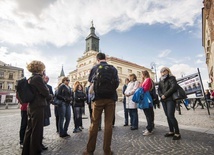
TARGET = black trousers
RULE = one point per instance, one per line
(23, 126)
(34, 132)
(149, 113)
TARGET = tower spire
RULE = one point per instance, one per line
(62, 72)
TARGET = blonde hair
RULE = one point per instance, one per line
(166, 68)
(36, 66)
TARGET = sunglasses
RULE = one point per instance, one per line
(68, 80)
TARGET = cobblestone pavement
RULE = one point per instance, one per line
(196, 130)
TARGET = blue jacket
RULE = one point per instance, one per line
(143, 99)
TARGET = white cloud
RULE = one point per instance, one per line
(199, 61)
(200, 55)
(164, 53)
(62, 22)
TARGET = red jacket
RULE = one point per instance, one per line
(147, 84)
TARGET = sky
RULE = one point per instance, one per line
(165, 33)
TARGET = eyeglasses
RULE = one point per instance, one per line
(68, 80)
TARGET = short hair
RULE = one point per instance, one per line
(101, 56)
(36, 66)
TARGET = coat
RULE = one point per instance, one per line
(130, 90)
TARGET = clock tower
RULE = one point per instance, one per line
(92, 41)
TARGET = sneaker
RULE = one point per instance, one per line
(169, 134)
(176, 137)
(146, 133)
(76, 130)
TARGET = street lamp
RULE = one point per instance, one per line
(153, 66)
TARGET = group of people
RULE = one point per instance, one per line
(98, 102)
(166, 87)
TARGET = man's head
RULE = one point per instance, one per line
(101, 57)
(46, 79)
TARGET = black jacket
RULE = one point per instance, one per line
(65, 94)
(167, 87)
(41, 91)
(79, 98)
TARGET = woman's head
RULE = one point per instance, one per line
(126, 80)
(165, 71)
(145, 74)
(65, 80)
(36, 67)
(78, 87)
(132, 77)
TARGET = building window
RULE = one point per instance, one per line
(10, 86)
(10, 75)
(119, 69)
(1, 75)
(1, 85)
(9, 98)
(138, 74)
(129, 71)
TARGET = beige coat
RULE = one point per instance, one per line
(130, 90)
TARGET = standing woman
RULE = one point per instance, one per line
(149, 113)
(79, 102)
(130, 105)
(126, 116)
(34, 132)
(167, 86)
(65, 94)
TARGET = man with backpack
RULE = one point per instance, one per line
(104, 79)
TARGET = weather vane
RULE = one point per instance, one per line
(92, 23)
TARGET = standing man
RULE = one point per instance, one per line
(105, 81)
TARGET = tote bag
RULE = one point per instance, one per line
(179, 94)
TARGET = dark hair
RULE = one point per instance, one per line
(134, 76)
(145, 74)
(101, 56)
(64, 79)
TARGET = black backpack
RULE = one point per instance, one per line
(104, 81)
(154, 96)
(24, 92)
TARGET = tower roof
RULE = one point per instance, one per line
(62, 72)
(92, 33)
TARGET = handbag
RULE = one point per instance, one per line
(57, 102)
(179, 94)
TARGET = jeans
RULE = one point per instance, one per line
(64, 113)
(78, 117)
(169, 109)
(126, 115)
(108, 105)
(23, 126)
(134, 117)
(149, 113)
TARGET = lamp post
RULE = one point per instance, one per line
(153, 66)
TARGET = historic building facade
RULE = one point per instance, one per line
(208, 36)
(88, 60)
(8, 77)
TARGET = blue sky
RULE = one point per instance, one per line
(141, 31)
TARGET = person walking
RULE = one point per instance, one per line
(167, 86)
(149, 113)
(126, 115)
(130, 105)
(34, 132)
(79, 102)
(105, 91)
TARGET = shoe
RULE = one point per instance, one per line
(125, 125)
(76, 130)
(146, 133)
(65, 135)
(170, 134)
(44, 147)
(81, 127)
(133, 128)
(176, 137)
